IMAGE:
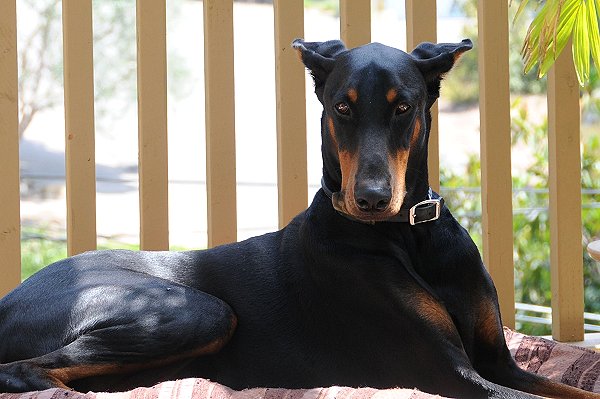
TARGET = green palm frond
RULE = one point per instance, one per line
(556, 22)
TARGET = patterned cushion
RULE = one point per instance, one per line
(568, 364)
(565, 363)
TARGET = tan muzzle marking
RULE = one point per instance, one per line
(415, 134)
(398, 163)
(343, 200)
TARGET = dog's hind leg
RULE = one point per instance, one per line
(150, 332)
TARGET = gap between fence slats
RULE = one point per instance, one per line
(496, 183)
(220, 122)
(79, 125)
(292, 179)
(355, 22)
(564, 172)
(10, 240)
(416, 32)
(152, 124)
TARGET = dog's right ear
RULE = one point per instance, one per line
(319, 59)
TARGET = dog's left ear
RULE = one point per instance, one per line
(319, 58)
(434, 60)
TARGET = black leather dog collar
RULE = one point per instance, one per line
(427, 210)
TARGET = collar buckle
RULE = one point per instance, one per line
(425, 214)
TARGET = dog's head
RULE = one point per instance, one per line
(376, 118)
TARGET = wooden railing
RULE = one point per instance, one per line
(355, 29)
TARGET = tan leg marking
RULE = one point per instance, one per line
(487, 323)
(63, 375)
(434, 312)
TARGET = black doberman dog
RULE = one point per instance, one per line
(375, 284)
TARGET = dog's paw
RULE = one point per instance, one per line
(16, 377)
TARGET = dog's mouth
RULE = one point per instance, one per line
(349, 208)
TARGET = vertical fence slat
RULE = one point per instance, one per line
(220, 122)
(496, 184)
(79, 125)
(10, 244)
(421, 26)
(355, 22)
(152, 124)
(566, 262)
(292, 180)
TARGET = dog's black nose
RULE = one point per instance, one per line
(372, 198)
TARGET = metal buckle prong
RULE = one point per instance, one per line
(412, 211)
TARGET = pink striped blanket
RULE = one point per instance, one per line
(568, 364)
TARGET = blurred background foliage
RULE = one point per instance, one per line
(530, 189)
(530, 213)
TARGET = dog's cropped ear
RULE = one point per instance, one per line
(435, 60)
(319, 59)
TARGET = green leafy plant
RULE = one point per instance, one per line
(556, 22)
(39, 249)
(42, 246)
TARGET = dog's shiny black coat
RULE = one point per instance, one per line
(338, 297)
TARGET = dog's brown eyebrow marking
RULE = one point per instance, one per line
(391, 95)
(352, 95)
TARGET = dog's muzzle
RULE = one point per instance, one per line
(425, 211)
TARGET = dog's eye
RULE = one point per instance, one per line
(402, 108)
(342, 108)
